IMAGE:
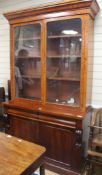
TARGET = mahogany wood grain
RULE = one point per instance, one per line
(54, 11)
(18, 156)
(58, 127)
(27, 129)
(53, 142)
(58, 135)
(52, 109)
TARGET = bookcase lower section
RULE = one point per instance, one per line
(61, 137)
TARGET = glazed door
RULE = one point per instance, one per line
(27, 61)
(63, 61)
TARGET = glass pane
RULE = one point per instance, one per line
(27, 42)
(64, 61)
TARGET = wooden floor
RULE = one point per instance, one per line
(47, 172)
(50, 173)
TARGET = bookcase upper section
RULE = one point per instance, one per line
(50, 48)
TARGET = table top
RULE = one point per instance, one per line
(19, 157)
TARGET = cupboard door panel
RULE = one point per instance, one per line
(59, 143)
(25, 129)
(64, 45)
(27, 57)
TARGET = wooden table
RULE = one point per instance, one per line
(19, 157)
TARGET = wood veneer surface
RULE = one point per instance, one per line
(17, 155)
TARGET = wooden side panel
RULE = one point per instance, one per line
(90, 37)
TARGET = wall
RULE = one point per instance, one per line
(97, 62)
(94, 67)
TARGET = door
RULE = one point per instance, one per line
(27, 61)
(58, 142)
(24, 128)
(63, 62)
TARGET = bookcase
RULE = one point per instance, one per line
(49, 60)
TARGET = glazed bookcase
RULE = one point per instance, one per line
(50, 48)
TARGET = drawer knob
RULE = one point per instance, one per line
(79, 132)
(78, 145)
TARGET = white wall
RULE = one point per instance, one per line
(95, 76)
(97, 62)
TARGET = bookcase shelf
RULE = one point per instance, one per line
(64, 36)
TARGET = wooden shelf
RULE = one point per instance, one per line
(28, 57)
(64, 36)
(27, 39)
(65, 56)
(64, 78)
(31, 76)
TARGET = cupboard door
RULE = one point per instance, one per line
(63, 69)
(58, 142)
(27, 55)
(25, 129)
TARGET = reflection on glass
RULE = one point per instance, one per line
(28, 61)
(64, 61)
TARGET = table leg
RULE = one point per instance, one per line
(42, 170)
